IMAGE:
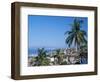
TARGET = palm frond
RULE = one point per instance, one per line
(76, 34)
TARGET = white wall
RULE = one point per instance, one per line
(5, 42)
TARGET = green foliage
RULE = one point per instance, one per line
(83, 50)
(59, 56)
(76, 35)
(64, 63)
(41, 59)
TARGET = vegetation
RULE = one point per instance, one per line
(59, 56)
(76, 35)
(41, 59)
(83, 52)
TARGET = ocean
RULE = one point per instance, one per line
(34, 51)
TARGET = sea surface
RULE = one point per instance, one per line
(34, 51)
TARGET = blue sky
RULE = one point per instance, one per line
(48, 31)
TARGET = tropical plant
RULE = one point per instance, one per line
(83, 53)
(41, 59)
(59, 56)
(83, 48)
(76, 35)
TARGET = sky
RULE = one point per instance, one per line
(48, 31)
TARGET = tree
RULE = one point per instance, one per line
(83, 54)
(59, 56)
(76, 35)
(41, 59)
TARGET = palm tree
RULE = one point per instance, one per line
(76, 35)
(83, 53)
(59, 56)
(83, 49)
(41, 59)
